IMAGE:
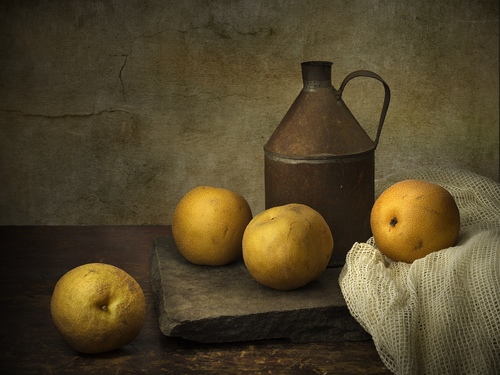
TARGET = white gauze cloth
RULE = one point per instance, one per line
(440, 314)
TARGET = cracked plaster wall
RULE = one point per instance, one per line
(110, 111)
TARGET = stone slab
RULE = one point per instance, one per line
(224, 304)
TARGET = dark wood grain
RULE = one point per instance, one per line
(35, 257)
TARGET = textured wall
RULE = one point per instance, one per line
(111, 110)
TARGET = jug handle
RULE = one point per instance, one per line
(387, 98)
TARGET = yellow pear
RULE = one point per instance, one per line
(97, 308)
(208, 225)
(287, 247)
(413, 218)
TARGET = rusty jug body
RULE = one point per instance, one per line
(320, 155)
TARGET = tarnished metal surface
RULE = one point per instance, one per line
(341, 191)
(319, 155)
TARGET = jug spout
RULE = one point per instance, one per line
(316, 74)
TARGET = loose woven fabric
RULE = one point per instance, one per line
(440, 314)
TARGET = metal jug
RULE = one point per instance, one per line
(319, 155)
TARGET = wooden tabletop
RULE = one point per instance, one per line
(33, 258)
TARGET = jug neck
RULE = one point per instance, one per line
(316, 75)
